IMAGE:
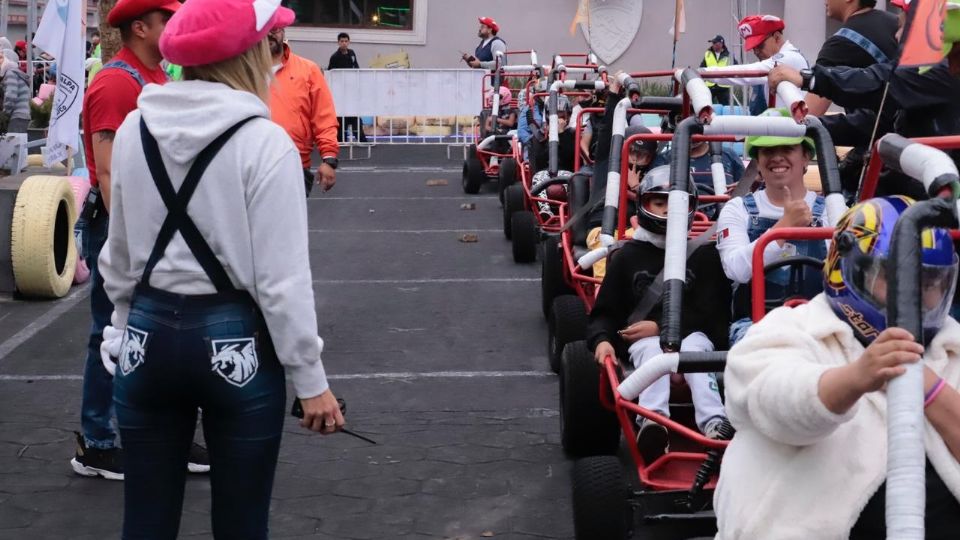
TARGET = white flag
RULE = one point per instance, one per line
(60, 35)
(682, 24)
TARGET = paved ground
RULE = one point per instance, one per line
(438, 346)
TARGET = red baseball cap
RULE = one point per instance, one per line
(755, 28)
(211, 31)
(21, 45)
(489, 22)
(125, 10)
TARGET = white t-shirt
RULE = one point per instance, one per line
(733, 242)
(788, 55)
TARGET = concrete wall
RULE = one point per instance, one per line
(543, 25)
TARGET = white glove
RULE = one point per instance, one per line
(110, 347)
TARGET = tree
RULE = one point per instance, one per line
(109, 36)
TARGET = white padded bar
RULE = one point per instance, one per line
(755, 125)
(906, 458)
(648, 373)
(588, 260)
(675, 259)
(719, 176)
(925, 163)
(836, 207)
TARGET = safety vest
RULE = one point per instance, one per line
(711, 60)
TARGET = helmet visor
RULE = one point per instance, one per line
(867, 276)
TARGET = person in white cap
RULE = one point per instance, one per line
(207, 264)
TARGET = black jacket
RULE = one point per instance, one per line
(706, 299)
(339, 60)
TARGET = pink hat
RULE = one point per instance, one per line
(506, 97)
(209, 31)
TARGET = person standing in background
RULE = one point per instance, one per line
(345, 58)
(718, 56)
(301, 103)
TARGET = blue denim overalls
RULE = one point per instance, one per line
(181, 352)
(778, 280)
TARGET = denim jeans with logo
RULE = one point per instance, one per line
(184, 352)
(96, 408)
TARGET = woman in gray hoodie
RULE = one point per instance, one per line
(207, 265)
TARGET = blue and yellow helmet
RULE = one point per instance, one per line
(855, 279)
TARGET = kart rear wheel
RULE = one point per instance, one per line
(525, 236)
(586, 427)
(507, 175)
(473, 174)
(566, 323)
(512, 202)
(552, 284)
(600, 505)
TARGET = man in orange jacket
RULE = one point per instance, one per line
(301, 103)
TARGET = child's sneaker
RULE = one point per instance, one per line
(107, 463)
(713, 429)
(652, 440)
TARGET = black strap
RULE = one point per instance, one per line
(176, 202)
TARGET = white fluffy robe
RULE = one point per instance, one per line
(795, 470)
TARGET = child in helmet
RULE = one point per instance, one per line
(639, 157)
(631, 269)
(783, 202)
(805, 391)
(539, 146)
(507, 118)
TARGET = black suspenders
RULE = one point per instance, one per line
(176, 201)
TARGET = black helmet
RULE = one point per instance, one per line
(657, 183)
(639, 146)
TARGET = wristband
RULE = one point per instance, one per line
(934, 392)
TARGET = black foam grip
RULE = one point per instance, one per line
(672, 104)
(688, 75)
(554, 155)
(826, 156)
(891, 147)
(609, 224)
(680, 157)
(702, 362)
(941, 182)
(670, 322)
(905, 262)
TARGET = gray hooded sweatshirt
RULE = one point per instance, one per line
(249, 206)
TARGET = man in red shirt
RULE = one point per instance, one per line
(111, 96)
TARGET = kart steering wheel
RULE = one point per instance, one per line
(799, 266)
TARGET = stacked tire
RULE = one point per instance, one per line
(42, 248)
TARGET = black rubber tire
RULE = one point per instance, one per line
(567, 323)
(525, 236)
(507, 175)
(600, 505)
(586, 427)
(512, 202)
(552, 284)
(473, 174)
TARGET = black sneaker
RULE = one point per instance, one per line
(107, 463)
(199, 460)
(652, 440)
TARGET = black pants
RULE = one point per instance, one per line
(308, 180)
(354, 122)
(721, 95)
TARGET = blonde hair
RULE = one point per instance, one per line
(250, 71)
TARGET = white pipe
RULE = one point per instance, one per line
(518, 68)
(925, 163)
(678, 215)
(588, 260)
(755, 125)
(788, 93)
(700, 97)
(906, 477)
(719, 178)
(580, 70)
(836, 206)
(486, 142)
(533, 58)
(648, 373)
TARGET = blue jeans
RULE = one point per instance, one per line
(96, 408)
(184, 352)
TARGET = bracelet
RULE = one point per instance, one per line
(934, 392)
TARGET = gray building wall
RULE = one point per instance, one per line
(543, 25)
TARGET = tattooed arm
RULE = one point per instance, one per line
(102, 153)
